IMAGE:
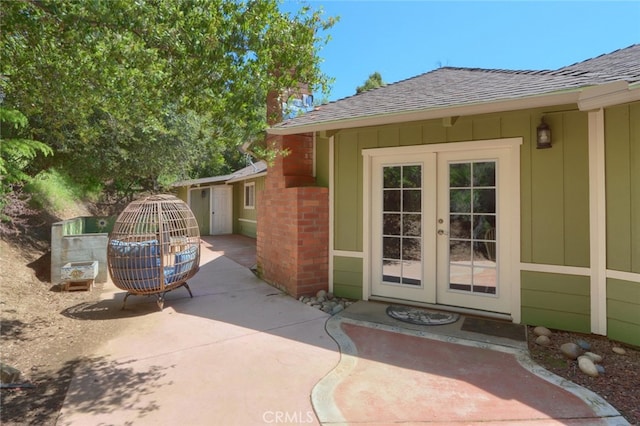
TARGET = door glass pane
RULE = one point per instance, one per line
(484, 227)
(402, 225)
(412, 200)
(412, 177)
(484, 201)
(460, 226)
(411, 225)
(411, 249)
(391, 200)
(472, 227)
(391, 271)
(411, 272)
(391, 224)
(391, 248)
(460, 277)
(460, 175)
(460, 251)
(392, 177)
(484, 280)
(484, 174)
(460, 200)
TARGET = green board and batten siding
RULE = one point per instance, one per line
(556, 301)
(554, 197)
(622, 151)
(244, 220)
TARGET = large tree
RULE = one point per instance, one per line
(374, 81)
(136, 91)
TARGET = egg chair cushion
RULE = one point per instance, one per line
(184, 262)
(136, 264)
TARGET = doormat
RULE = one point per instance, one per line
(421, 316)
(495, 328)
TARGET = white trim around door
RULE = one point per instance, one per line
(407, 247)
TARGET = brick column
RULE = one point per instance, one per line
(293, 221)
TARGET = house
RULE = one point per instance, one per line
(502, 193)
(225, 204)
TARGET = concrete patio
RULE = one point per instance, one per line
(243, 353)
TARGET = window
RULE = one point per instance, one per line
(250, 195)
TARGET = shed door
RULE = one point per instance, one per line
(200, 203)
(222, 210)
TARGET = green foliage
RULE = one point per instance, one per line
(132, 94)
(374, 81)
(16, 151)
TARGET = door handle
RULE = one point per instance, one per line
(442, 232)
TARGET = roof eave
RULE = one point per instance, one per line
(241, 178)
(605, 95)
(201, 181)
(557, 98)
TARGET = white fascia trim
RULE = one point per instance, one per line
(563, 98)
(597, 223)
(240, 179)
(331, 209)
(201, 181)
(616, 93)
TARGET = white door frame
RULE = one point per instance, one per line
(512, 145)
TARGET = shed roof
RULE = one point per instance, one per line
(252, 170)
(450, 87)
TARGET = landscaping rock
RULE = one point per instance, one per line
(618, 350)
(542, 331)
(326, 302)
(9, 374)
(584, 344)
(543, 340)
(336, 309)
(571, 350)
(587, 366)
(593, 357)
(600, 369)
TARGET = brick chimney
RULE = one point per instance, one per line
(293, 217)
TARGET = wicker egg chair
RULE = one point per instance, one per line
(154, 247)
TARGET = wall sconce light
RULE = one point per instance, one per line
(543, 135)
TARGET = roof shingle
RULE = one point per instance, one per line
(452, 86)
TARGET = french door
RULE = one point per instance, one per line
(440, 223)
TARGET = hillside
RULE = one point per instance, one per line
(35, 337)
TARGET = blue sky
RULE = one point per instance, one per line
(402, 39)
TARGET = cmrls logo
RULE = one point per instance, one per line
(288, 417)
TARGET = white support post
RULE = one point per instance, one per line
(597, 223)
